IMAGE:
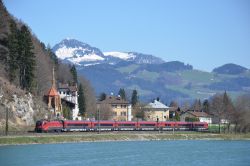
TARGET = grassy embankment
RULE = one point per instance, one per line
(91, 137)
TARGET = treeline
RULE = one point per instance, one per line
(222, 109)
(20, 62)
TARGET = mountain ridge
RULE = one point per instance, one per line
(153, 77)
(80, 53)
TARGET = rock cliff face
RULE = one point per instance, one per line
(24, 109)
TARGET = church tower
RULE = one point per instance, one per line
(54, 100)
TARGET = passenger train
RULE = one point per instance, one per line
(70, 125)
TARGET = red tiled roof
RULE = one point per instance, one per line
(52, 92)
(113, 100)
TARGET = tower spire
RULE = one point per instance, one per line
(53, 78)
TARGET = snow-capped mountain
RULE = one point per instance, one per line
(138, 58)
(74, 51)
(79, 53)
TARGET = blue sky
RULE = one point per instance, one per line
(203, 33)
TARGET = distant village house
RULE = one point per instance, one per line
(200, 116)
(156, 111)
(121, 109)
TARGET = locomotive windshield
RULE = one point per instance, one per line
(38, 123)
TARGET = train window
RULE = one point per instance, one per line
(147, 124)
(126, 125)
(186, 125)
(78, 125)
(38, 123)
(201, 125)
(105, 125)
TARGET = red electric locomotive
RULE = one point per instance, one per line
(49, 126)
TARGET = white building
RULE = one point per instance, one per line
(156, 111)
(202, 116)
(69, 94)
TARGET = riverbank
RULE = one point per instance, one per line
(93, 137)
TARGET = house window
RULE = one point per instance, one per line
(123, 113)
(114, 106)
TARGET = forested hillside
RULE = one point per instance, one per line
(26, 66)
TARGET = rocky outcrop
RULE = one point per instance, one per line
(24, 109)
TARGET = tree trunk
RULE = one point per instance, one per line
(219, 127)
(235, 128)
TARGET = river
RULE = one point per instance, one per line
(140, 153)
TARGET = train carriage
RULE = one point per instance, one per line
(103, 125)
(200, 126)
(183, 126)
(146, 125)
(125, 126)
(166, 126)
(76, 125)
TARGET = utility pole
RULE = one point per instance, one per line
(157, 120)
(6, 121)
(98, 121)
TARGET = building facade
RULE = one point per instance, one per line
(121, 109)
(69, 95)
(201, 116)
(156, 111)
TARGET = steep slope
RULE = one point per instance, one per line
(24, 108)
(27, 105)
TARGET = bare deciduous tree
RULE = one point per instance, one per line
(106, 112)
(90, 99)
(242, 113)
(217, 109)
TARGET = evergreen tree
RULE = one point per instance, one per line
(102, 96)
(74, 73)
(122, 93)
(81, 101)
(134, 98)
(13, 46)
(26, 59)
(206, 106)
(177, 117)
(67, 113)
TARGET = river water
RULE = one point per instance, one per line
(139, 153)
